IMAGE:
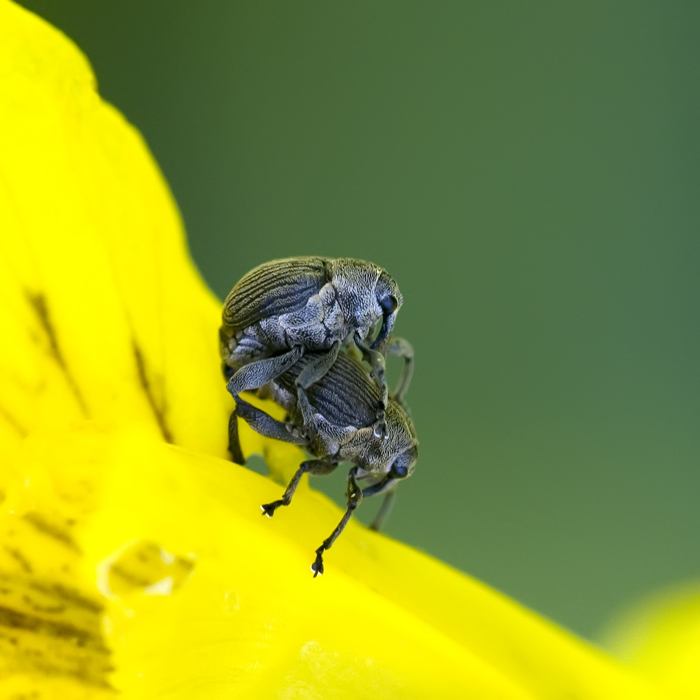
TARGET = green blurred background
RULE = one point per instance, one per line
(529, 174)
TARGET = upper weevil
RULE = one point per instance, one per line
(282, 308)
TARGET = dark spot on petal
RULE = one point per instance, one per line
(38, 303)
(13, 422)
(47, 528)
(68, 595)
(20, 559)
(72, 650)
(158, 411)
(46, 609)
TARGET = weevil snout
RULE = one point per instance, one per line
(389, 299)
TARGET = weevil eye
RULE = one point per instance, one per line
(403, 464)
(399, 472)
(388, 304)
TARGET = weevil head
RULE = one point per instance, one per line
(402, 467)
(400, 447)
(366, 294)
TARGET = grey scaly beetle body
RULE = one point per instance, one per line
(334, 422)
(283, 308)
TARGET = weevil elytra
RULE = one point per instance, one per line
(284, 308)
(333, 419)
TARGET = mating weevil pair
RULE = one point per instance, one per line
(288, 327)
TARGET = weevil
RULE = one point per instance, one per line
(334, 421)
(284, 308)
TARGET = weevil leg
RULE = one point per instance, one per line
(384, 510)
(318, 367)
(234, 443)
(237, 349)
(317, 467)
(224, 338)
(354, 500)
(265, 424)
(386, 486)
(313, 371)
(380, 487)
(376, 362)
(400, 347)
(307, 413)
(258, 373)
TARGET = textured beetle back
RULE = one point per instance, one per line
(344, 396)
(272, 289)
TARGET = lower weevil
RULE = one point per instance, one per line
(333, 420)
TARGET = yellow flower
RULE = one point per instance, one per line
(133, 556)
(660, 638)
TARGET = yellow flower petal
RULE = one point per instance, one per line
(202, 595)
(660, 637)
(108, 329)
(109, 318)
(132, 564)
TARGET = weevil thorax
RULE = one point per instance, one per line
(360, 288)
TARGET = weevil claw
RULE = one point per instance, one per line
(268, 509)
(317, 566)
